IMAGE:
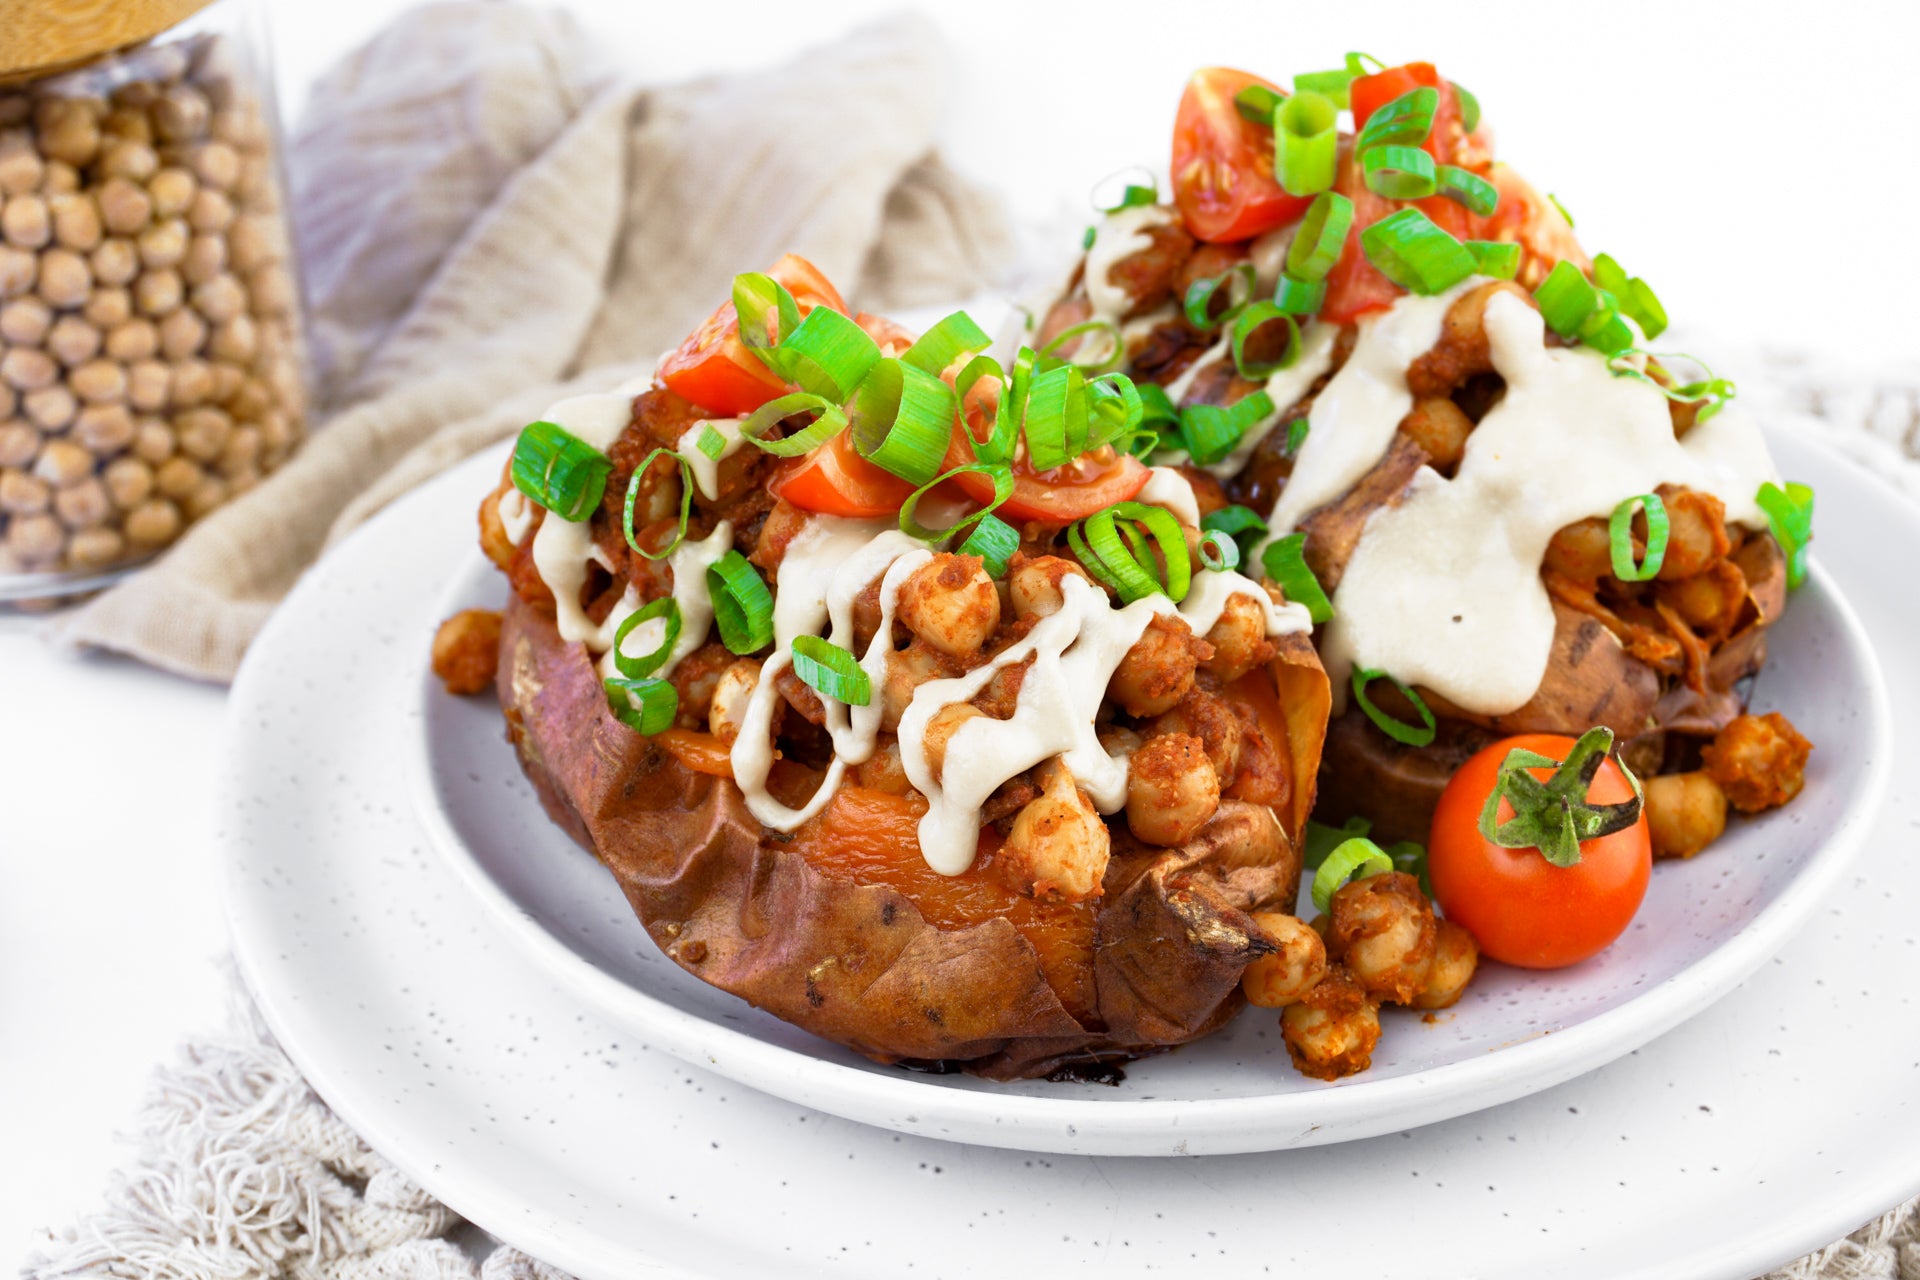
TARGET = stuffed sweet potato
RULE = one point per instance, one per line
(1008, 795)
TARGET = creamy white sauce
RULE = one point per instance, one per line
(1285, 387)
(1167, 488)
(689, 562)
(1120, 234)
(706, 471)
(1444, 589)
(562, 549)
(1220, 350)
(516, 514)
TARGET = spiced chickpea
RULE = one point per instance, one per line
(907, 670)
(1295, 967)
(1760, 762)
(727, 710)
(1332, 1030)
(1582, 550)
(1440, 428)
(1239, 639)
(1157, 672)
(1382, 930)
(1034, 587)
(466, 650)
(1686, 812)
(1059, 846)
(951, 603)
(1455, 958)
(884, 770)
(1172, 790)
(941, 727)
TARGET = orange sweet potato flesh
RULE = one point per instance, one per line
(841, 929)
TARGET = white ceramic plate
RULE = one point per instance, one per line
(1705, 926)
(1770, 1124)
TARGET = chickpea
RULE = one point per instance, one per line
(178, 477)
(132, 340)
(1157, 671)
(149, 385)
(26, 222)
(21, 170)
(1059, 846)
(83, 505)
(1696, 532)
(466, 650)
(1331, 1031)
(951, 603)
(157, 293)
(1117, 741)
(109, 305)
(50, 408)
(1439, 427)
(68, 128)
(208, 494)
(206, 257)
(65, 278)
(1295, 966)
(24, 322)
(1582, 550)
(163, 244)
(223, 297)
(907, 670)
(115, 262)
(18, 443)
(72, 340)
(1760, 762)
(96, 547)
(104, 428)
(1686, 812)
(153, 522)
(130, 159)
(28, 370)
(728, 709)
(1382, 930)
(22, 494)
(1034, 585)
(76, 222)
(172, 190)
(18, 270)
(99, 381)
(1211, 719)
(1455, 957)
(940, 730)
(129, 481)
(1172, 790)
(125, 206)
(35, 539)
(884, 769)
(181, 334)
(1239, 639)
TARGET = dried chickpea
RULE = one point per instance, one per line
(108, 307)
(22, 494)
(132, 340)
(129, 158)
(125, 206)
(172, 191)
(73, 341)
(206, 257)
(129, 124)
(210, 211)
(163, 244)
(128, 481)
(181, 114)
(203, 432)
(217, 164)
(18, 270)
(99, 381)
(115, 261)
(220, 299)
(83, 505)
(26, 369)
(63, 462)
(156, 293)
(152, 440)
(236, 341)
(76, 221)
(208, 494)
(18, 444)
(65, 278)
(153, 522)
(9, 401)
(96, 548)
(50, 408)
(104, 428)
(69, 128)
(227, 381)
(24, 322)
(250, 399)
(271, 288)
(250, 243)
(177, 477)
(149, 385)
(20, 170)
(26, 222)
(182, 334)
(35, 539)
(241, 453)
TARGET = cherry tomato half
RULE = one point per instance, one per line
(1222, 164)
(1519, 907)
(836, 480)
(713, 367)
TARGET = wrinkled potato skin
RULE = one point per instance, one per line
(1170, 935)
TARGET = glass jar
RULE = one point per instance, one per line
(151, 355)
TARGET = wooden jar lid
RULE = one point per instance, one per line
(47, 35)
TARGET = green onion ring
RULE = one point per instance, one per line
(1198, 304)
(1056, 417)
(1789, 513)
(828, 354)
(1306, 143)
(902, 420)
(1497, 258)
(998, 446)
(1407, 120)
(1411, 735)
(769, 415)
(1211, 431)
(633, 493)
(1116, 353)
(1335, 86)
(1415, 254)
(1243, 524)
(1105, 555)
(742, 605)
(1562, 209)
(560, 471)
(1320, 237)
(711, 443)
(935, 350)
(1469, 107)
(1467, 188)
(1607, 332)
(659, 703)
(1114, 409)
(1399, 173)
(1002, 476)
(994, 541)
(1355, 859)
(831, 671)
(766, 313)
(1256, 104)
(1620, 536)
(1219, 552)
(1296, 436)
(1300, 297)
(1285, 561)
(1165, 528)
(1257, 316)
(1566, 298)
(647, 663)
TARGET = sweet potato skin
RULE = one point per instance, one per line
(858, 963)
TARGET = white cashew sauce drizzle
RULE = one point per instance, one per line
(1444, 588)
(706, 471)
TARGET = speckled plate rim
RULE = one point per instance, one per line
(1352, 1109)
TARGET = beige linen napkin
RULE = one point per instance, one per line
(480, 223)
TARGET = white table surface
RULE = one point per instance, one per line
(1670, 132)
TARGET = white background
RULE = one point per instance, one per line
(1756, 162)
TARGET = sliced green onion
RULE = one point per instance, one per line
(1606, 331)
(936, 349)
(645, 706)
(1116, 349)
(1320, 237)
(1331, 85)
(903, 419)
(1299, 297)
(1056, 418)
(1212, 431)
(831, 671)
(1415, 254)
(560, 471)
(1467, 188)
(1710, 393)
(1412, 735)
(1620, 532)
(1399, 173)
(1306, 143)
(816, 433)
(1285, 561)
(1087, 238)
(1132, 196)
(994, 541)
(1411, 858)
(1608, 274)
(1234, 521)
(1002, 477)
(1789, 513)
(1258, 317)
(998, 446)
(1635, 296)
(1712, 396)
(767, 314)
(1407, 120)
(1357, 64)
(742, 605)
(711, 442)
(1497, 258)
(1101, 542)
(1356, 859)
(1256, 104)
(1566, 299)
(1198, 303)
(1114, 410)
(1219, 552)
(827, 354)
(1156, 407)
(1469, 107)
(1297, 436)
(1321, 839)
(647, 663)
(633, 494)
(1562, 208)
